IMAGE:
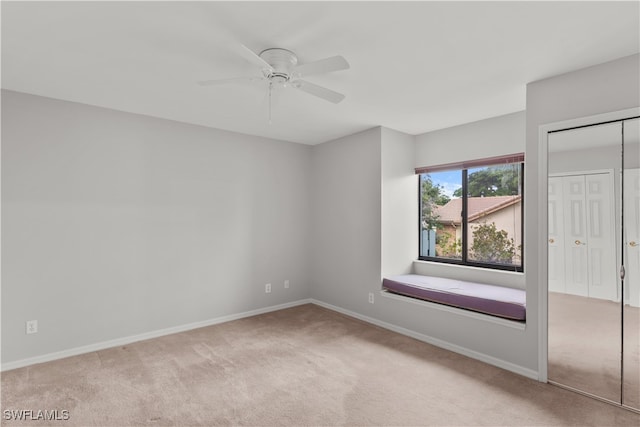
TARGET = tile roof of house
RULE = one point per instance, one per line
(478, 207)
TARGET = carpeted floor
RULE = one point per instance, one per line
(301, 366)
(632, 356)
(585, 346)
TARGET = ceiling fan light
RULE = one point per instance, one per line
(282, 61)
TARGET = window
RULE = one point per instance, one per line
(471, 213)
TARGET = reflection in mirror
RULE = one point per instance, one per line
(584, 348)
(631, 259)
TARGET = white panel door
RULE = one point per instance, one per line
(575, 228)
(556, 235)
(601, 259)
(632, 236)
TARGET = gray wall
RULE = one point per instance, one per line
(365, 211)
(495, 136)
(399, 202)
(346, 179)
(603, 88)
(492, 137)
(116, 224)
(485, 138)
(357, 177)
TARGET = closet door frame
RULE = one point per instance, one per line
(542, 219)
(633, 299)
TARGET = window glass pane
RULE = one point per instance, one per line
(494, 231)
(441, 209)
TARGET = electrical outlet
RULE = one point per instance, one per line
(32, 326)
(286, 284)
(370, 297)
(267, 288)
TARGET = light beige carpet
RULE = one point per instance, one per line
(301, 366)
(585, 346)
(632, 356)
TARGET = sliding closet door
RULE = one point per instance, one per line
(556, 266)
(601, 259)
(584, 298)
(575, 221)
(631, 258)
(581, 235)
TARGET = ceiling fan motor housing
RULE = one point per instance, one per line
(280, 69)
(282, 62)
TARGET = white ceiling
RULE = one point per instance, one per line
(415, 66)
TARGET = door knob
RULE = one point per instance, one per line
(551, 240)
(633, 244)
(578, 242)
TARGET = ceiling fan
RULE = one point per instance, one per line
(280, 68)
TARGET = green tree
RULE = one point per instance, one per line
(502, 180)
(432, 197)
(448, 246)
(492, 245)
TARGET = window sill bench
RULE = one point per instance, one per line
(496, 304)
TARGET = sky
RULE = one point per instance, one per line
(450, 181)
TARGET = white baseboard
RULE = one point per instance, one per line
(187, 327)
(526, 372)
(145, 336)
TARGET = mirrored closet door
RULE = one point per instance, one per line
(631, 261)
(593, 221)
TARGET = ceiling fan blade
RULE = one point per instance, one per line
(335, 63)
(319, 91)
(253, 57)
(225, 81)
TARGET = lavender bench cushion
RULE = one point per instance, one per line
(494, 300)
